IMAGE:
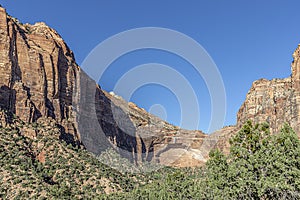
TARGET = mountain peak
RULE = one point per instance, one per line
(296, 64)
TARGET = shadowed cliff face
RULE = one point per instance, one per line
(106, 120)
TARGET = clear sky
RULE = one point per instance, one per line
(247, 40)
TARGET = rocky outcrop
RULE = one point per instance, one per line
(274, 101)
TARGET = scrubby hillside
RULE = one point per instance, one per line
(36, 163)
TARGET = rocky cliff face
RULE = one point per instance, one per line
(40, 79)
(133, 132)
(275, 101)
(38, 73)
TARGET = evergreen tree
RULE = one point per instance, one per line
(260, 166)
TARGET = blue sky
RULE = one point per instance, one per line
(247, 40)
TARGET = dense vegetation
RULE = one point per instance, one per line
(44, 166)
(260, 166)
(40, 165)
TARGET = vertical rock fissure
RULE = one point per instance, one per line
(44, 86)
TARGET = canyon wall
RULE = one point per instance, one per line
(40, 79)
(274, 101)
(38, 73)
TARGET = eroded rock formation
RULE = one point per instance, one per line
(37, 71)
(274, 101)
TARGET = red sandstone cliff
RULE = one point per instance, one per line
(38, 73)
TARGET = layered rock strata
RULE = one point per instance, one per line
(274, 101)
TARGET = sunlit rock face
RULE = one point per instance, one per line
(274, 101)
(38, 73)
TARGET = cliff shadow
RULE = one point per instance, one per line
(7, 98)
(67, 137)
(101, 123)
(117, 126)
